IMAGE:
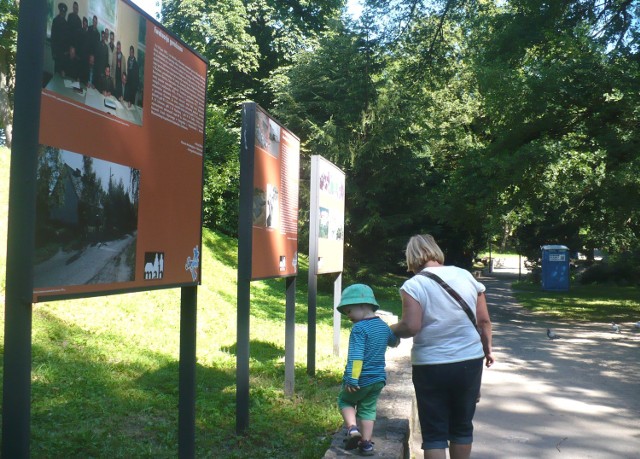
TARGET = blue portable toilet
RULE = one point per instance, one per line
(555, 267)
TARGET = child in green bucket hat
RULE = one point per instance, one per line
(364, 375)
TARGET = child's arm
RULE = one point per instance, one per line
(354, 360)
(484, 325)
(356, 370)
(393, 340)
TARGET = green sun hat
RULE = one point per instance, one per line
(357, 294)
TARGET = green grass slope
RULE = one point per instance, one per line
(105, 370)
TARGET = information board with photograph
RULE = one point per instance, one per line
(327, 214)
(276, 162)
(120, 166)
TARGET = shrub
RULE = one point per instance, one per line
(623, 269)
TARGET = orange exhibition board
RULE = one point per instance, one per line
(120, 164)
(276, 164)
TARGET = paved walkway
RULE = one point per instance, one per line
(574, 397)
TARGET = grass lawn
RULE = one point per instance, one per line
(591, 303)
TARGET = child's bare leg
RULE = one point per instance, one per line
(349, 416)
(367, 429)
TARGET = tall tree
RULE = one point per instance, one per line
(220, 31)
(555, 78)
(344, 102)
(48, 195)
(222, 173)
(90, 207)
(245, 41)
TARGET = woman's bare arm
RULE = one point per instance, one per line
(484, 326)
(411, 321)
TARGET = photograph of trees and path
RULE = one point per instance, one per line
(86, 220)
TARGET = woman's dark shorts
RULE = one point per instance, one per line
(446, 395)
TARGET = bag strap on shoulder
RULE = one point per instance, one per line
(456, 296)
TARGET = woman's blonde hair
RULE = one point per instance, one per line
(421, 249)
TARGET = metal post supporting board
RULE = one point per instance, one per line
(16, 399)
(187, 374)
(245, 227)
(337, 294)
(289, 337)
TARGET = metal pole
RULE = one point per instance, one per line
(312, 290)
(245, 247)
(289, 337)
(490, 258)
(242, 357)
(187, 374)
(16, 397)
(312, 296)
(337, 293)
(519, 266)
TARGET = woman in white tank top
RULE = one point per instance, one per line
(448, 351)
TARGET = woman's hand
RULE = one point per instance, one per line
(489, 360)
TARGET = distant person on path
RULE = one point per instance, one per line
(448, 351)
(364, 375)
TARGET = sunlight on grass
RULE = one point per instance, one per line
(591, 303)
(107, 368)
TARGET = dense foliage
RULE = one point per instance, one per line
(505, 121)
(482, 121)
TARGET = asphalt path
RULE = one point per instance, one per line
(98, 263)
(573, 397)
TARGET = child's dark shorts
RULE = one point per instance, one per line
(364, 400)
